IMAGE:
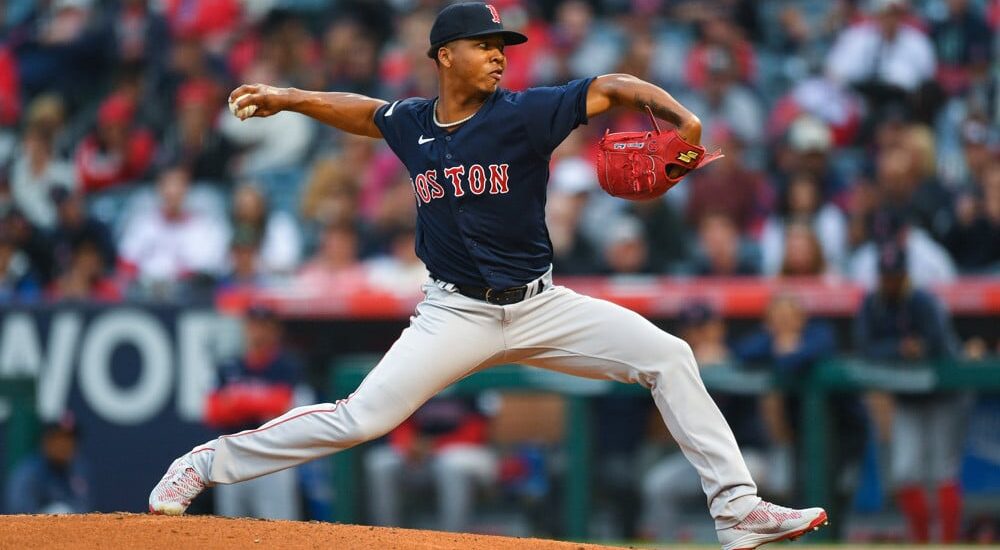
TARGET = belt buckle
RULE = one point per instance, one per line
(489, 292)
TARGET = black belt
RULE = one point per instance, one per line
(498, 297)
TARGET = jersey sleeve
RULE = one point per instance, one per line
(391, 120)
(551, 113)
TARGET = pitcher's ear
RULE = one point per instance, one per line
(444, 57)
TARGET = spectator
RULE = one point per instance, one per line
(721, 250)
(350, 58)
(929, 201)
(807, 149)
(665, 232)
(85, 278)
(267, 144)
(979, 146)
(335, 267)
(36, 172)
(48, 112)
(189, 60)
(671, 482)
(287, 54)
(253, 388)
(193, 141)
(331, 193)
(974, 239)
(726, 102)
(717, 35)
(141, 36)
(10, 92)
(55, 479)
(18, 284)
(886, 58)
(802, 203)
(802, 255)
(172, 244)
(118, 152)
(901, 325)
(64, 49)
(276, 232)
(824, 99)
(582, 43)
(963, 44)
(927, 262)
(445, 442)
(244, 269)
(74, 226)
(399, 271)
(625, 248)
(34, 244)
(730, 187)
(573, 180)
(403, 68)
(208, 21)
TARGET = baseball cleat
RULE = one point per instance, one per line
(178, 487)
(771, 523)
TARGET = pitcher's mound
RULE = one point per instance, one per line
(121, 530)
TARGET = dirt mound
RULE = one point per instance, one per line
(121, 530)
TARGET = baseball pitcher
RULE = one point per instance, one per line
(478, 156)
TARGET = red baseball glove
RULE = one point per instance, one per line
(637, 165)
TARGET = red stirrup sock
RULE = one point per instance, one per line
(913, 502)
(950, 506)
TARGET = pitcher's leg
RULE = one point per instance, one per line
(587, 337)
(415, 368)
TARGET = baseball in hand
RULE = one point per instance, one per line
(245, 112)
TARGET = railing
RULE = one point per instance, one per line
(656, 297)
(817, 442)
(17, 399)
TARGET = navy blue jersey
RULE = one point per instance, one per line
(480, 189)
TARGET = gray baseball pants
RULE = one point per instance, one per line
(451, 336)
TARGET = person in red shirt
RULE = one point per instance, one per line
(118, 152)
(10, 96)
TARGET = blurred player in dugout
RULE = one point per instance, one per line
(443, 444)
(54, 480)
(254, 388)
(902, 325)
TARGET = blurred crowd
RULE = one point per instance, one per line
(123, 175)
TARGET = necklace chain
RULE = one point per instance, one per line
(449, 124)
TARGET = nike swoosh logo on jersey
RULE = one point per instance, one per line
(388, 112)
(422, 140)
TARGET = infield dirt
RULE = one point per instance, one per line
(144, 531)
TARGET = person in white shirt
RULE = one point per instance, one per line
(885, 50)
(173, 242)
(927, 262)
(36, 171)
(803, 202)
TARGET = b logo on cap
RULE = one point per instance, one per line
(496, 15)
